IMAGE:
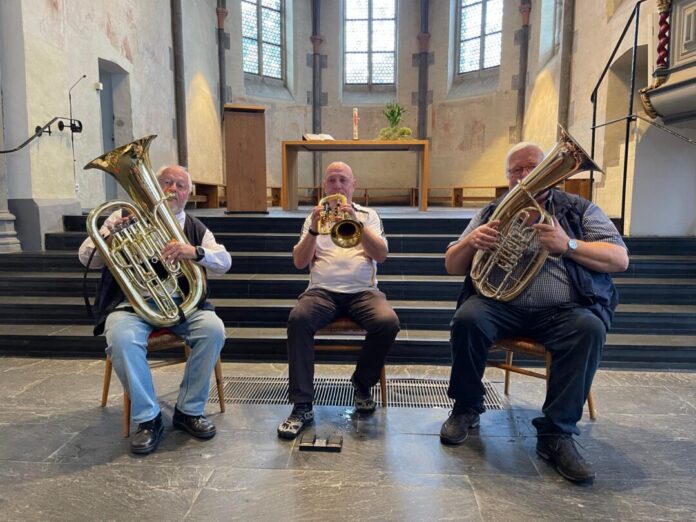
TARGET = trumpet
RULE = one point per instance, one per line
(344, 231)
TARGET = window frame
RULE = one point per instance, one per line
(481, 37)
(370, 85)
(260, 41)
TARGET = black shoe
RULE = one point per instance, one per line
(560, 451)
(456, 428)
(362, 398)
(196, 425)
(300, 417)
(147, 437)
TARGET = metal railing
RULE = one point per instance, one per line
(630, 117)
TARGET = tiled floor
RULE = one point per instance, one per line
(62, 457)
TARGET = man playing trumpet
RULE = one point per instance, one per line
(342, 282)
(567, 306)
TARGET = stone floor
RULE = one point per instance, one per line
(62, 457)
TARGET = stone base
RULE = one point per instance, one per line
(9, 242)
(36, 217)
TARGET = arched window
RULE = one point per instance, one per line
(370, 42)
(263, 38)
(480, 24)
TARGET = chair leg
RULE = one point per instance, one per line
(218, 382)
(383, 387)
(126, 414)
(508, 362)
(107, 382)
(590, 406)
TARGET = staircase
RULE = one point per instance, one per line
(42, 311)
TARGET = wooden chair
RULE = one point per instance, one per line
(345, 326)
(162, 339)
(512, 345)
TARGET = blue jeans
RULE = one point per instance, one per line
(574, 336)
(126, 339)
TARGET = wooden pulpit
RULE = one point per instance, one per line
(245, 158)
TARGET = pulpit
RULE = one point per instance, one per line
(245, 158)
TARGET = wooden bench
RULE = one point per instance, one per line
(457, 196)
(207, 195)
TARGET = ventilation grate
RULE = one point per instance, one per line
(332, 391)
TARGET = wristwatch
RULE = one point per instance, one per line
(572, 247)
(200, 253)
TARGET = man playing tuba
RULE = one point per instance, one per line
(127, 333)
(567, 306)
(342, 282)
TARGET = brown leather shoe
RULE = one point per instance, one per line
(196, 425)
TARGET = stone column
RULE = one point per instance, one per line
(8, 236)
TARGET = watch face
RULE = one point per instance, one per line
(572, 244)
(200, 253)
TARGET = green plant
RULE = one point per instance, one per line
(394, 113)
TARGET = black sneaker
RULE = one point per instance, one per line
(300, 417)
(147, 437)
(362, 398)
(456, 428)
(560, 450)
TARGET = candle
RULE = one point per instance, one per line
(355, 123)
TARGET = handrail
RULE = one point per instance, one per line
(593, 96)
(635, 15)
(73, 125)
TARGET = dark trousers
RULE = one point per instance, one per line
(317, 308)
(574, 336)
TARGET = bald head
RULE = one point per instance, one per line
(339, 179)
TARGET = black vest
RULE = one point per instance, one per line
(595, 290)
(110, 295)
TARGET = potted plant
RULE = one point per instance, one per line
(394, 112)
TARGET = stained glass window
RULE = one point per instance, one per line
(480, 34)
(262, 37)
(370, 42)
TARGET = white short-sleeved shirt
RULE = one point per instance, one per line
(345, 270)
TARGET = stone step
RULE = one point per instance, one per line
(289, 286)
(422, 315)
(412, 346)
(641, 266)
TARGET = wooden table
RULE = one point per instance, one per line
(288, 196)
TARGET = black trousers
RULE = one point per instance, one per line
(317, 308)
(574, 336)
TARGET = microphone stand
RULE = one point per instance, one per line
(72, 133)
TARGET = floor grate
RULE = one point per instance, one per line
(332, 391)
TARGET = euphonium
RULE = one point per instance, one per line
(134, 253)
(345, 232)
(498, 273)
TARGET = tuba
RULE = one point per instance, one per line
(500, 272)
(345, 232)
(134, 254)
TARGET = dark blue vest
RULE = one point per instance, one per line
(595, 290)
(110, 295)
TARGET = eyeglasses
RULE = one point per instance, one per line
(166, 183)
(518, 171)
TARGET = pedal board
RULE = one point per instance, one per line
(311, 442)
